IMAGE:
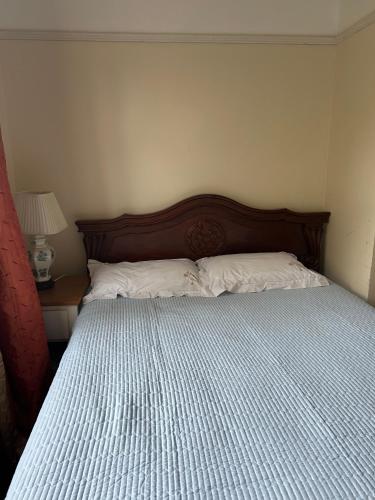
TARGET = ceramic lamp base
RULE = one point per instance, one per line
(41, 257)
(45, 285)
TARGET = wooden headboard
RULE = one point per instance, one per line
(202, 226)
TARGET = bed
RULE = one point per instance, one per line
(258, 395)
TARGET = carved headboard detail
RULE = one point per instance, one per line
(203, 226)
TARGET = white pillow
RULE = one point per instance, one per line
(148, 279)
(254, 272)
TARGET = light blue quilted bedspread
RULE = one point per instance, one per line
(266, 395)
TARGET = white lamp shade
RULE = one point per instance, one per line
(39, 213)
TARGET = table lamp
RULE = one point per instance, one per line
(40, 215)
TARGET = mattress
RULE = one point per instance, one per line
(264, 396)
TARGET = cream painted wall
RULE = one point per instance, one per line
(135, 127)
(4, 133)
(10, 169)
(351, 173)
(371, 297)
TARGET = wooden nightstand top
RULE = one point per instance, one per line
(68, 291)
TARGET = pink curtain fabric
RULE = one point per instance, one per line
(23, 341)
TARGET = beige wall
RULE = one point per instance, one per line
(371, 297)
(4, 133)
(114, 127)
(351, 173)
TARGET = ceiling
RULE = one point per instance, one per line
(273, 17)
(350, 11)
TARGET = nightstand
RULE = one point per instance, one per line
(60, 306)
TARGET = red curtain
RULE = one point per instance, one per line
(23, 341)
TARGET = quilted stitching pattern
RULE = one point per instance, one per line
(264, 396)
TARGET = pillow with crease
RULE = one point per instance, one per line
(147, 279)
(255, 272)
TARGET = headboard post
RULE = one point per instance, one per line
(202, 226)
(313, 234)
(93, 242)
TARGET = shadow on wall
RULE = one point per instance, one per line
(371, 297)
